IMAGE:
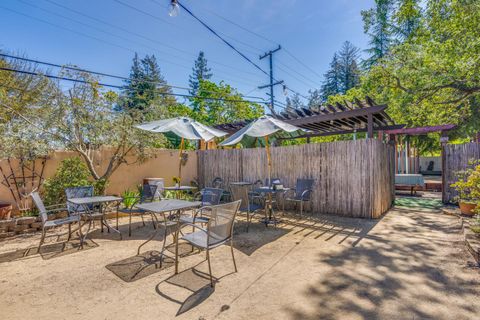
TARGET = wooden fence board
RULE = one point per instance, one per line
(352, 178)
(456, 158)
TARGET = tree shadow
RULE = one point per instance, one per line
(385, 278)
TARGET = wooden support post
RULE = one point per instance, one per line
(180, 161)
(370, 125)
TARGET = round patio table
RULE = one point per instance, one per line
(269, 213)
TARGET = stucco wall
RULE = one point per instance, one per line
(164, 164)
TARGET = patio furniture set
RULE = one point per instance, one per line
(211, 215)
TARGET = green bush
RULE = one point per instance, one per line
(72, 172)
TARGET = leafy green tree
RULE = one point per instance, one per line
(220, 103)
(200, 72)
(83, 119)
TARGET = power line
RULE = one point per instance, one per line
(140, 35)
(99, 73)
(103, 41)
(123, 87)
(263, 38)
(218, 36)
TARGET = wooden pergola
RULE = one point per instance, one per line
(349, 117)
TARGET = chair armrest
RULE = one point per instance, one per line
(305, 193)
(196, 226)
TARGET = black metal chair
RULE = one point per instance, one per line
(300, 195)
(217, 183)
(208, 197)
(148, 194)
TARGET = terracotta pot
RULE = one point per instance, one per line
(467, 208)
(5, 211)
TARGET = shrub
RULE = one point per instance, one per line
(72, 172)
(468, 183)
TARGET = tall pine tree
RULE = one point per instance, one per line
(344, 73)
(200, 71)
(146, 91)
(377, 26)
(333, 77)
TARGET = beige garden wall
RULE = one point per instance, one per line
(164, 164)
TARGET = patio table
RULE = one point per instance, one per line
(178, 189)
(269, 213)
(171, 220)
(87, 204)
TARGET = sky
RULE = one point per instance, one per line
(103, 36)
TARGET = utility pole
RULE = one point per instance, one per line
(272, 84)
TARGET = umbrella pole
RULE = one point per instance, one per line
(269, 160)
(180, 162)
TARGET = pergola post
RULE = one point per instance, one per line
(370, 125)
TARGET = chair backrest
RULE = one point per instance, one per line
(211, 196)
(221, 221)
(303, 185)
(78, 192)
(160, 187)
(258, 184)
(217, 183)
(240, 192)
(40, 206)
(149, 191)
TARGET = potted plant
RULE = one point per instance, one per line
(468, 188)
(176, 181)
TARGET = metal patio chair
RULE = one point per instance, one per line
(219, 231)
(208, 197)
(148, 194)
(248, 202)
(217, 183)
(300, 195)
(48, 224)
(87, 211)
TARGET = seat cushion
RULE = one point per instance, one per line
(59, 222)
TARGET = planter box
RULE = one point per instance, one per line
(467, 208)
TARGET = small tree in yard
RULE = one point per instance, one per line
(83, 120)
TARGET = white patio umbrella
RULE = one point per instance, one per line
(263, 127)
(185, 128)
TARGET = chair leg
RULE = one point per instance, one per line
(41, 240)
(153, 221)
(69, 231)
(143, 221)
(233, 256)
(209, 268)
(248, 220)
(301, 208)
(130, 224)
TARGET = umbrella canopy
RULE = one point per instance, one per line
(262, 127)
(183, 127)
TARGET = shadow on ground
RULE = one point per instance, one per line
(403, 272)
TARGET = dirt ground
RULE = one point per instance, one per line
(411, 264)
